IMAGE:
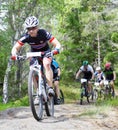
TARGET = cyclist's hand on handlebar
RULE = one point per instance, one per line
(55, 51)
(113, 80)
(14, 57)
(92, 80)
(42, 53)
(77, 80)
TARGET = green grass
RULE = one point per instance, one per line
(71, 92)
(99, 111)
(21, 102)
(109, 102)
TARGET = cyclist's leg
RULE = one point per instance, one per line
(48, 70)
(112, 84)
(101, 84)
(48, 74)
(56, 84)
(112, 87)
(89, 86)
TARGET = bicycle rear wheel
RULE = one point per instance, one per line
(106, 93)
(61, 96)
(49, 106)
(37, 110)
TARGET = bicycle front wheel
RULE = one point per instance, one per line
(36, 107)
(95, 94)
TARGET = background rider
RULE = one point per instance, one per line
(88, 73)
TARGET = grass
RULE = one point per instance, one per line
(99, 111)
(109, 102)
(21, 102)
(71, 92)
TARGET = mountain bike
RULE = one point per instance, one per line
(108, 92)
(98, 91)
(37, 87)
(84, 91)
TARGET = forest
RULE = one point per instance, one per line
(86, 29)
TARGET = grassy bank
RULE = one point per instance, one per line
(71, 92)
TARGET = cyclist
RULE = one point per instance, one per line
(110, 75)
(88, 72)
(99, 75)
(56, 78)
(39, 40)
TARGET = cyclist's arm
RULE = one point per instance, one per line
(59, 72)
(16, 49)
(103, 76)
(114, 75)
(92, 71)
(92, 75)
(56, 44)
(78, 73)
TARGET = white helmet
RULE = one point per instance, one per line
(31, 21)
(98, 68)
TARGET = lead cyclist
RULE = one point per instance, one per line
(39, 40)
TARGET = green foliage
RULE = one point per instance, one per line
(114, 37)
(109, 57)
(83, 26)
(4, 52)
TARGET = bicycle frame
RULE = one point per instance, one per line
(41, 89)
(84, 85)
(107, 88)
(106, 84)
(83, 90)
(38, 68)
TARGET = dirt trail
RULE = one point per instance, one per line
(67, 117)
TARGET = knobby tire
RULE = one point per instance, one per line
(37, 110)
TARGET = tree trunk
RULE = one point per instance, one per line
(5, 84)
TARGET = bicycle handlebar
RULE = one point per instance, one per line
(32, 54)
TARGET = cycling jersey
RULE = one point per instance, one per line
(87, 72)
(54, 66)
(109, 74)
(38, 43)
(99, 76)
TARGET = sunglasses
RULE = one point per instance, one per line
(32, 28)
